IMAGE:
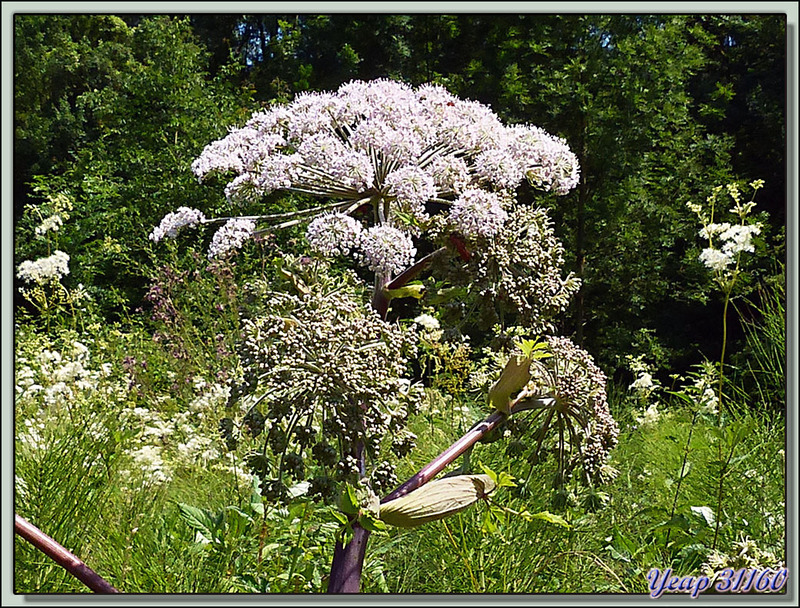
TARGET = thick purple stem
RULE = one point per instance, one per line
(61, 556)
(438, 464)
(347, 562)
(380, 300)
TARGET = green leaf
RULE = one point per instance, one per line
(705, 514)
(347, 534)
(256, 500)
(370, 523)
(501, 480)
(488, 525)
(551, 518)
(678, 522)
(239, 522)
(340, 517)
(412, 290)
(348, 500)
(200, 520)
(492, 475)
(515, 376)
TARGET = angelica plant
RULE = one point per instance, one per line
(410, 180)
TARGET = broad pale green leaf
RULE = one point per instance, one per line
(551, 518)
(704, 513)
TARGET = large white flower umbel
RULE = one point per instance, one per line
(407, 152)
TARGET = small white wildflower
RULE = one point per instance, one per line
(715, 259)
(20, 487)
(158, 430)
(198, 449)
(231, 236)
(709, 403)
(54, 222)
(431, 327)
(69, 372)
(149, 463)
(450, 173)
(57, 393)
(49, 356)
(712, 230)
(32, 437)
(642, 383)
(79, 350)
(694, 208)
(651, 416)
(173, 222)
(216, 396)
(739, 238)
(44, 270)
(427, 321)
(733, 191)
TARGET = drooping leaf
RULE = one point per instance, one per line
(436, 500)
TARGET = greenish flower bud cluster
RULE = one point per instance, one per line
(323, 375)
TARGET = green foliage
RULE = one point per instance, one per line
(759, 369)
(138, 118)
(658, 107)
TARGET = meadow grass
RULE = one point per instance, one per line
(185, 522)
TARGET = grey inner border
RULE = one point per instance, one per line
(6, 289)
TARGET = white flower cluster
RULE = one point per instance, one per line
(211, 401)
(231, 236)
(731, 239)
(403, 146)
(412, 187)
(650, 417)
(707, 399)
(643, 383)
(174, 221)
(386, 250)
(53, 222)
(430, 326)
(165, 442)
(383, 248)
(478, 213)
(60, 377)
(49, 382)
(734, 239)
(746, 555)
(332, 234)
(149, 466)
(44, 270)
(157, 445)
